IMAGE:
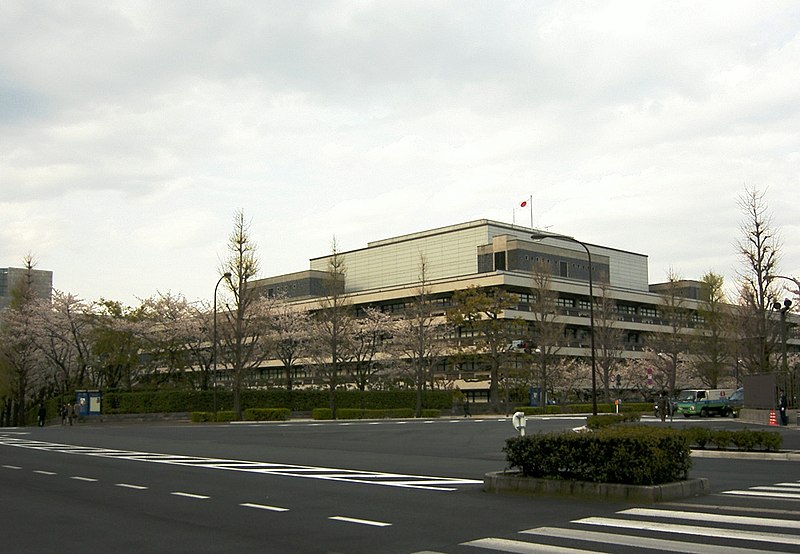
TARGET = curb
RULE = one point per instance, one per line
(513, 482)
(780, 456)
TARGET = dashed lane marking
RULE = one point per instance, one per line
(190, 495)
(264, 507)
(360, 521)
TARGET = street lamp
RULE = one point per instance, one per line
(226, 275)
(540, 236)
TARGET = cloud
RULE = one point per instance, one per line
(133, 131)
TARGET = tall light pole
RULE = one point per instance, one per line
(226, 275)
(540, 236)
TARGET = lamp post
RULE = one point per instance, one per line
(226, 275)
(540, 236)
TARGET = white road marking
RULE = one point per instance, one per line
(715, 518)
(424, 482)
(520, 547)
(732, 534)
(129, 486)
(361, 521)
(43, 472)
(264, 507)
(85, 479)
(763, 493)
(11, 467)
(640, 542)
(190, 495)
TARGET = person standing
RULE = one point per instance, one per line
(42, 415)
(782, 405)
(663, 406)
(466, 407)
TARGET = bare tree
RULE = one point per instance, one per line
(244, 317)
(759, 249)
(418, 335)
(334, 322)
(671, 345)
(548, 329)
(608, 339)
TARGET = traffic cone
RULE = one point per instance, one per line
(773, 421)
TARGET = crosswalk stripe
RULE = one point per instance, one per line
(716, 518)
(763, 493)
(641, 542)
(521, 547)
(718, 532)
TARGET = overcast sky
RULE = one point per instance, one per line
(131, 132)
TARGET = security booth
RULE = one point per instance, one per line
(89, 402)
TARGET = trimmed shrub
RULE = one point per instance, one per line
(770, 440)
(226, 416)
(634, 455)
(607, 420)
(721, 438)
(267, 414)
(698, 435)
(201, 417)
(322, 413)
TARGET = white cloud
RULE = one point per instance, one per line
(132, 132)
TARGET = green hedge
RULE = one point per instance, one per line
(607, 420)
(351, 413)
(741, 439)
(267, 414)
(627, 455)
(602, 408)
(295, 401)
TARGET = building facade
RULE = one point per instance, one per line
(489, 254)
(11, 277)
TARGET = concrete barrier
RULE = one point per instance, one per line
(513, 482)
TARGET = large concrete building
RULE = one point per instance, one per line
(10, 277)
(484, 253)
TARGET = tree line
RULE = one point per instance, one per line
(51, 348)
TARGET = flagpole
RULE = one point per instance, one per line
(531, 204)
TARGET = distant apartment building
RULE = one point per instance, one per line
(11, 277)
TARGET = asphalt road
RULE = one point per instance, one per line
(350, 487)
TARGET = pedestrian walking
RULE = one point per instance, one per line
(62, 410)
(466, 407)
(663, 406)
(71, 413)
(782, 405)
(42, 415)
